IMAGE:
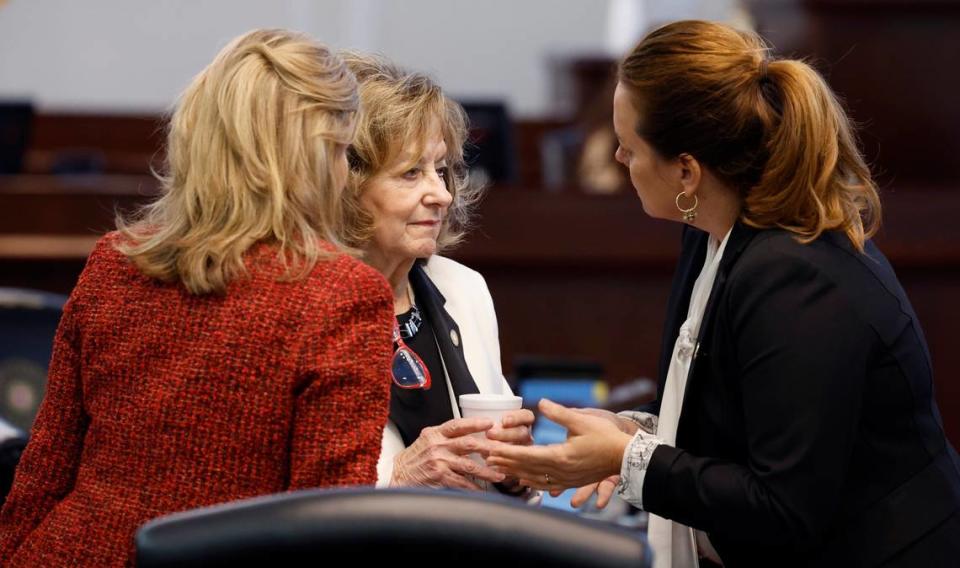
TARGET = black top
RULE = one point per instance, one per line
(438, 340)
(809, 435)
(412, 410)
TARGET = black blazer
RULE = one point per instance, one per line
(809, 435)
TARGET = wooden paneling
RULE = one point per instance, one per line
(528, 135)
(120, 144)
(587, 277)
(573, 276)
(69, 205)
(893, 62)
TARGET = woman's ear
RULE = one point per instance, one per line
(690, 173)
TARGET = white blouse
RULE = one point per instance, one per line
(674, 545)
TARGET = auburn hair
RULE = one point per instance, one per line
(770, 128)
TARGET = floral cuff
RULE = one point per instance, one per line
(633, 469)
(646, 421)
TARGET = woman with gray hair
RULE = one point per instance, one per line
(411, 200)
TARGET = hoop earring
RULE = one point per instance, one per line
(690, 213)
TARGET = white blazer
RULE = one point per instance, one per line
(469, 303)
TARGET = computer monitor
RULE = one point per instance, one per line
(490, 152)
(16, 121)
(567, 382)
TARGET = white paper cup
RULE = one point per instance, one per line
(492, 406)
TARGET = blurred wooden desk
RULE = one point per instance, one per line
(573, 276)
(46, 247)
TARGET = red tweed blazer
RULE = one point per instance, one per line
(160, 401)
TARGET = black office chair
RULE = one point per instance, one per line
(396, 527)
(28, 322)
(12, 444)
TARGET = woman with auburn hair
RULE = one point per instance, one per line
(796, 424)
(219, 347)
(411, 199)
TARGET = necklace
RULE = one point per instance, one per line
(412, 325)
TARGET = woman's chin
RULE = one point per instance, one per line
(428, 252)
(654, 213)
(425, 250)
(646, 209)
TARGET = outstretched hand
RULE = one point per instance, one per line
(593, 452)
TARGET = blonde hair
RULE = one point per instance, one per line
(250, 158)
(771, 128)
(401, 106)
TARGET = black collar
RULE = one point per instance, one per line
(431, 303)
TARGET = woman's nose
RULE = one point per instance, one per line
(438, 194)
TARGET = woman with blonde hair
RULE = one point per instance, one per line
(411, 200)
(796, 423)
(219, 347)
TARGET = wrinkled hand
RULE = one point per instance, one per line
(593, 451)
(439, 457)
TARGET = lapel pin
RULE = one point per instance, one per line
(455, 338)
